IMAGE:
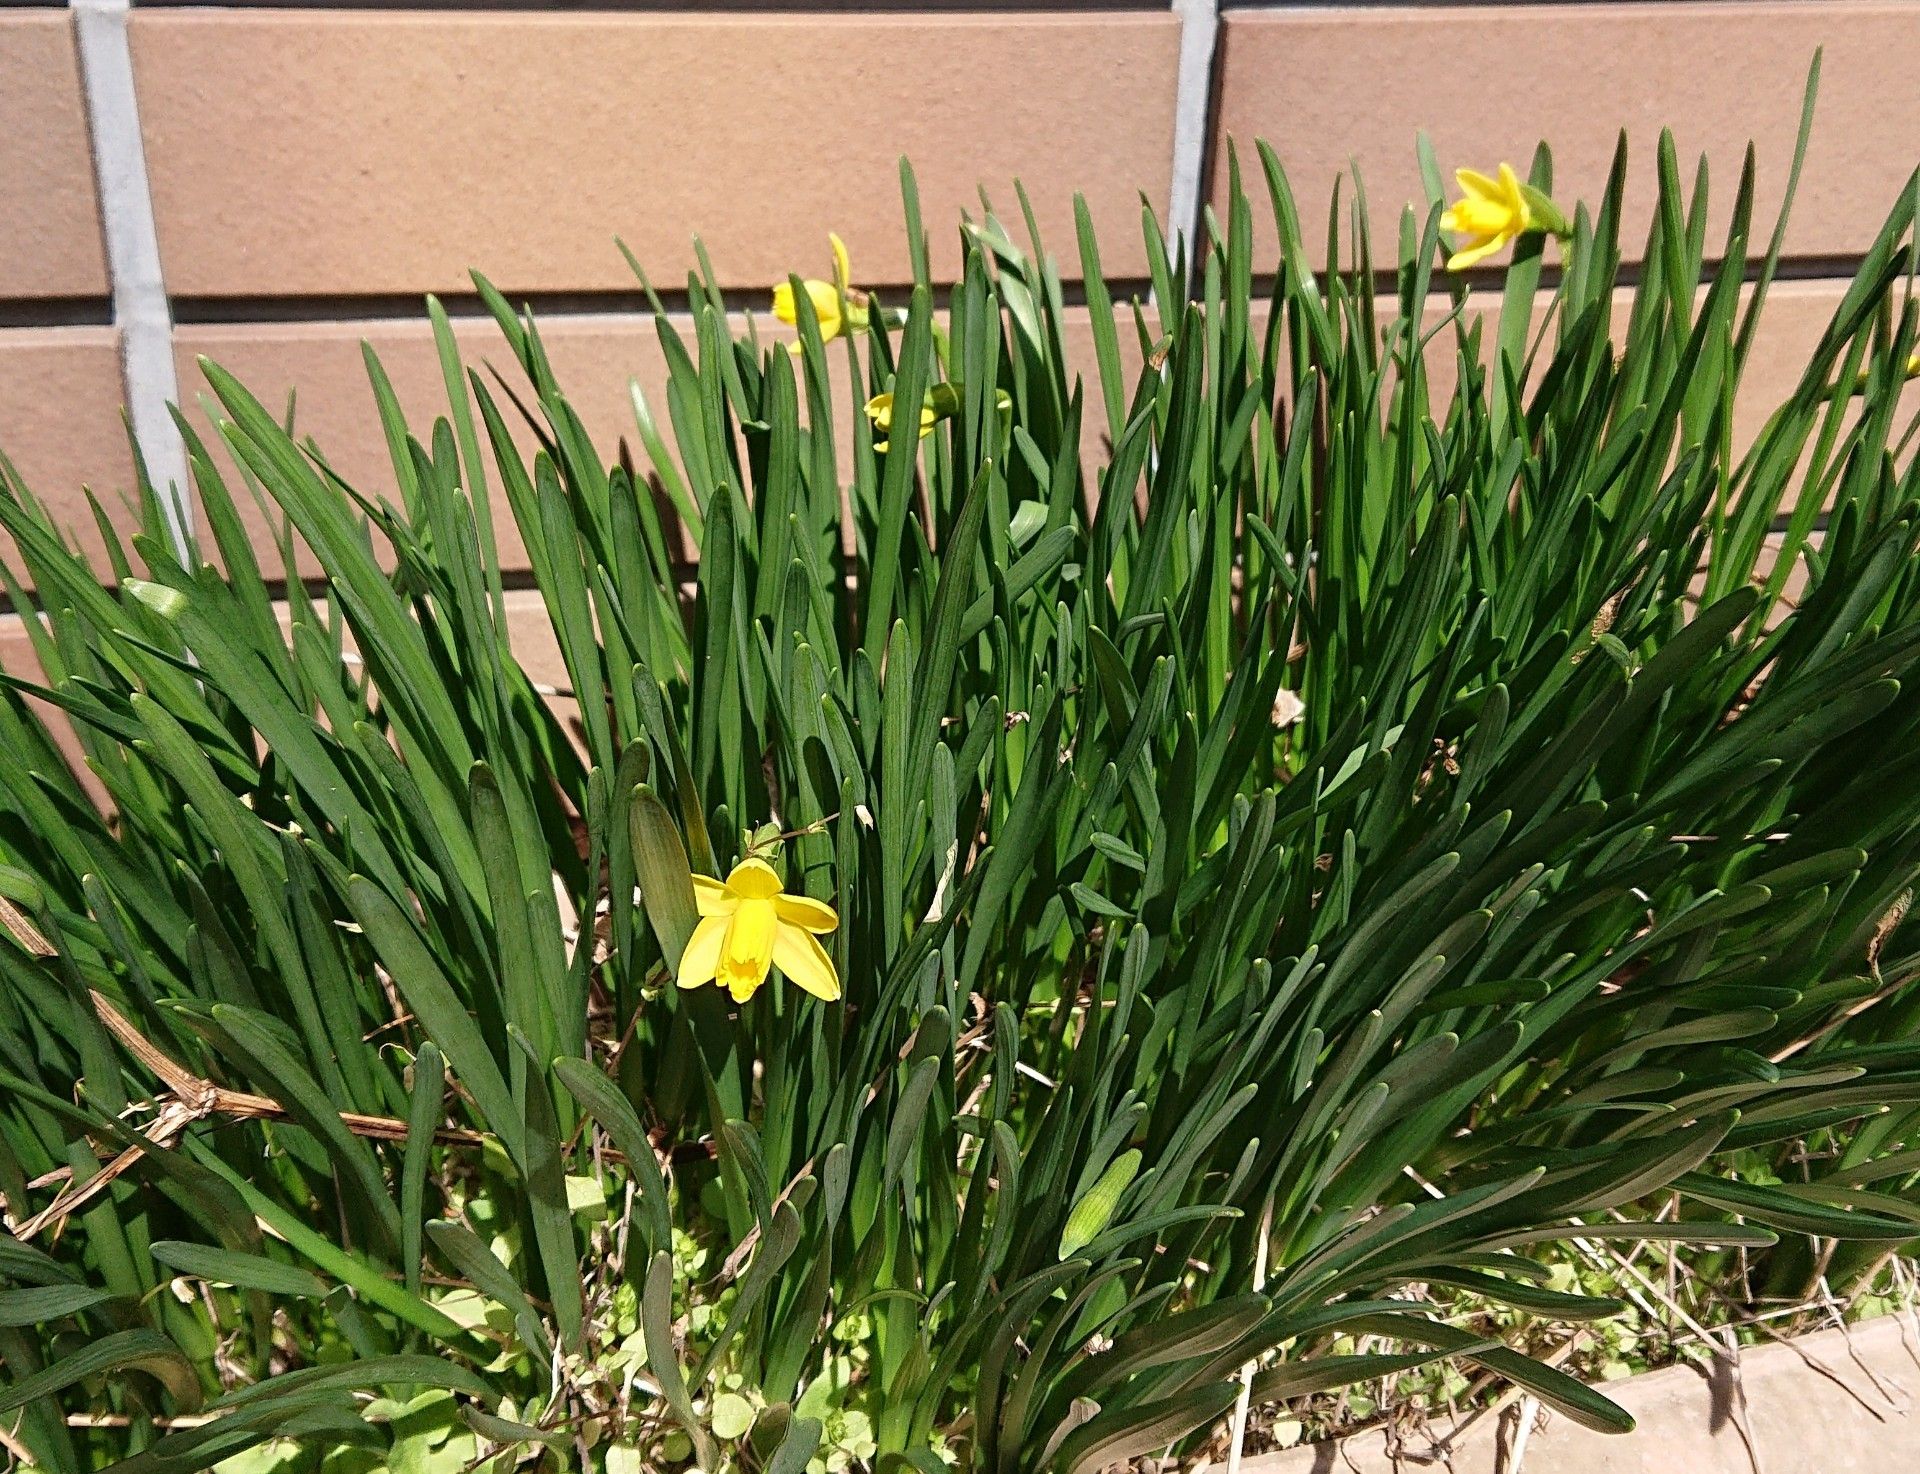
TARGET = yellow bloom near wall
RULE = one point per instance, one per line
(837, 306)
(826, 306)
(880, 411)
(943, 401)
(1492, 213)
(749, 926)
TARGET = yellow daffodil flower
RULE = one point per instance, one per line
(837, 305)
(880, 411)
(1494, 213)
(749, 925)
(943, 401)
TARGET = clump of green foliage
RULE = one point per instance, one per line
(1299, 840)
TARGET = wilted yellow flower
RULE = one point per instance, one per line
(1493, 213)
(836, 305)
(749, 925)
(943, 401)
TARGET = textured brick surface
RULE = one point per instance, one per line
(49, 219)
(595, 358)
(321, 365)
(1328, 84)
(407, 147)
(60, 425)
(1792, 320)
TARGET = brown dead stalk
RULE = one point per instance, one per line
(188, 1098)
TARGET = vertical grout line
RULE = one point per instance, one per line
(140, 308)
(1192, 115)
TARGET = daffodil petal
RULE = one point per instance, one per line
(1480, 217)
(747, 951)
(1471, 255)
(711, 897)
(826, 307)
(799, 955)
(826, 300)
(1476, 184)
(842, 268)
(753, 880)
(700, 962)
(805, 913)
(1517, 200)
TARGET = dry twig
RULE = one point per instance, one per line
(187, 1099)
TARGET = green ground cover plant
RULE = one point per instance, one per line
(1267, 848)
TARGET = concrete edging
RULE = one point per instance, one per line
(1842, 1401)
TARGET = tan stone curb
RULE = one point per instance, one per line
(1838, 1402)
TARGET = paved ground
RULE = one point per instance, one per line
(1840, 1402)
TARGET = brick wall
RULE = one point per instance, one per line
(269, 185)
